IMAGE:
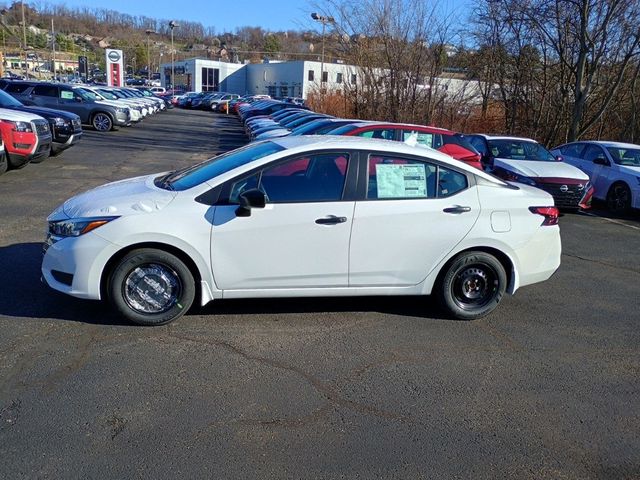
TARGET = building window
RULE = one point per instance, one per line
(210, 79)
(271, 90)
(338, 77)
(353, 78)
(284, 91)
(311, 75)
(325, 76)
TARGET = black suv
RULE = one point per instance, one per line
(66, 127)
(102, 115)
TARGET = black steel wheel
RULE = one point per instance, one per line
(619, 198)
(472, 286)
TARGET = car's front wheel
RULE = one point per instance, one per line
(619, 198)
(472, 286)
(102, 122)
(151, 287)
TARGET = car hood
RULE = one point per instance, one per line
(533, 169)
(112, 103)
(132, 196)
(49, 112)
(629, 169)
(17, 116)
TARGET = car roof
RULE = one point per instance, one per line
(370, 123)
(304, 142)
(503, 137)
(606, 143)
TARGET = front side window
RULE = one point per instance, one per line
(311, 178)
(592, 152)
(396, 178)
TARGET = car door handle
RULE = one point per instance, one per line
(331, 220)
(457, 209)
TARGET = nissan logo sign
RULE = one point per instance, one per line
(114, 56)
(564, 189)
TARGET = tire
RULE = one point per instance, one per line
(472, 286)
(4, 163)
(619, 198)
(169, 287)
(102, 122)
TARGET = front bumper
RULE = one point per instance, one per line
(74, 265)
(61, 143)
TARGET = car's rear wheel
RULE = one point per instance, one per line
(619, 198)
(102, 122)
(472, 286)
(151, 287)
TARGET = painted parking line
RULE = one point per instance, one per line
(617, 222)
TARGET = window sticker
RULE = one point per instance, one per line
(66, 95)
(401, 181)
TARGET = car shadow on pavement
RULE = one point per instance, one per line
(23, 294)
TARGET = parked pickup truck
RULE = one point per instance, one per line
(65, 127)
(26, 137)
(101, 115)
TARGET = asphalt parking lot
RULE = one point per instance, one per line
(548, 386)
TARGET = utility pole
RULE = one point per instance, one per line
(53, 50)
(172, 25)
(24, 39)
(149, 32)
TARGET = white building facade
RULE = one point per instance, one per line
(278, 79)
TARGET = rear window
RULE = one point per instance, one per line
(459, 139)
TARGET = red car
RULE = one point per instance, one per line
(26, 137)
(446, 141)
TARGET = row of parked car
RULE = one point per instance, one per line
(211, 101)
(573, 173)
(42, 119)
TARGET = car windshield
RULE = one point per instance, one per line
(520, 150)
(195, 175)
(108, 95)
(629, 157)
(87, 94)
(7, 100)
(342, 130)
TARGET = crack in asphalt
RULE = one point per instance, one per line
(599, 262)
(331, 395)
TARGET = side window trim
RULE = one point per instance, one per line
(348, 191)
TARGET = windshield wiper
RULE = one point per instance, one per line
(164, 181)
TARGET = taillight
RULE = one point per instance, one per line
(550, 214)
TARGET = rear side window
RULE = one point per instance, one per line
(45, 90)
(426, 139)
(381, 133)
(479, 144)
(572, 150)
(16, 87)
(402, 178)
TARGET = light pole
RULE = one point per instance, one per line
(149, 32)
(172, 25)
(324, 20)
(24, 39)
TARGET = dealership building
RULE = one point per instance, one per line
(278, 79)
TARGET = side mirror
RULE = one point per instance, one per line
(78, 99)
(253, 198)
(601, 161)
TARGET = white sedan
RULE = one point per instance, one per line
(303, 217)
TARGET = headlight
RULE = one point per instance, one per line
(59, 122)
(22, 127)
(122, 110)
(77, 226)
(514, 177)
